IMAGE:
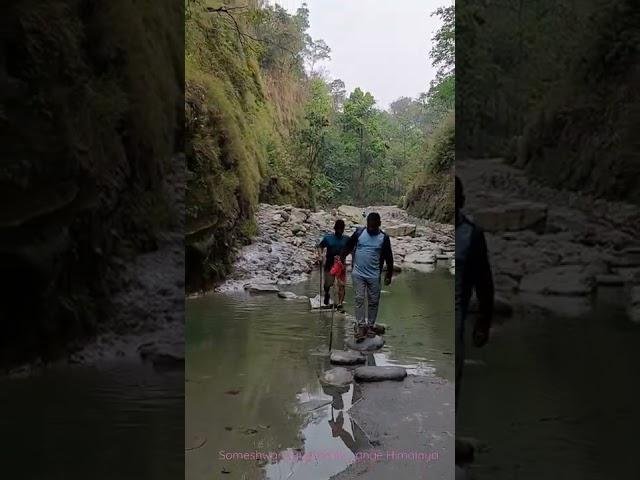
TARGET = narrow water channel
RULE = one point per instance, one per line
(252, 370)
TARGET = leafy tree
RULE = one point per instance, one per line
(338, 93)
(315, 52)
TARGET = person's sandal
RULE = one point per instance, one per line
(361, 334)
(371, 332)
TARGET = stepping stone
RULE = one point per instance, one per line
(377, 374)
(318, 304)
(347, 357)
(337, 377)
(260, 288)
(367, 345)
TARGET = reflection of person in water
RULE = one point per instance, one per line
(337, 430)
(356, 442)
(473, 272)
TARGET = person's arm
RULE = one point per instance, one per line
(483, 284)
(320, 248)
(351, 245)
(387, 257)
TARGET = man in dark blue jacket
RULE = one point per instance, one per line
(473, 273)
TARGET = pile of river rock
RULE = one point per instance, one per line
(556, 249)
(283, 252)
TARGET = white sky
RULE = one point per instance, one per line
(381, 46)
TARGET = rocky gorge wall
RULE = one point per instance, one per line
(91, 117)
(583, 136)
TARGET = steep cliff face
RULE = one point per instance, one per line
(237, 129)
(432, 195)
(585, 133)
(90, 114)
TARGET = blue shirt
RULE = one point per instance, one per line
(367, 255)
(334, 246)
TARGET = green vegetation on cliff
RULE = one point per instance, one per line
(245, 92)
(262, 125)
(553, 87)
(431, 191)
(90, 114)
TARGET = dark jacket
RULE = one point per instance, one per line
(473, 272)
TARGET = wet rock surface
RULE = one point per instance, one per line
(379, 373)
(337, 377)
(283, 251)
(367, 345)
(346, 357)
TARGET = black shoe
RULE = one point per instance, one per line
(326, 298)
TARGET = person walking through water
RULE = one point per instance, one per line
(473, 273)
(370, 248)
(329, 250)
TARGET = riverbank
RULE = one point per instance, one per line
(283, 251)
(550, 248)
(145, 320)
(537, 399)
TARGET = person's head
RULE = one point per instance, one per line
(373, 222)
(338, 227)
(459, 195)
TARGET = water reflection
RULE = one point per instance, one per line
(271, 352)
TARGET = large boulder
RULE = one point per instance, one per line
(402, 230)
(351, 214)
(513, 217)
(298, 215)
(424, 257)
(259, 288)
(563, 280)
(377, 374)
(163, 354)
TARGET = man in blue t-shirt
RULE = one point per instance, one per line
(370, 248)
(332, 245)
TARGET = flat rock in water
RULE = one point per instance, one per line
(262, 288)
(377, 374)
(337, 376)
(347, 357)
(290, 296)
(317, 303)
(367, 345)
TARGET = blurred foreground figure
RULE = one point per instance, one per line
(473, 272)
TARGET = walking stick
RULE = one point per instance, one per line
(333, 311)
